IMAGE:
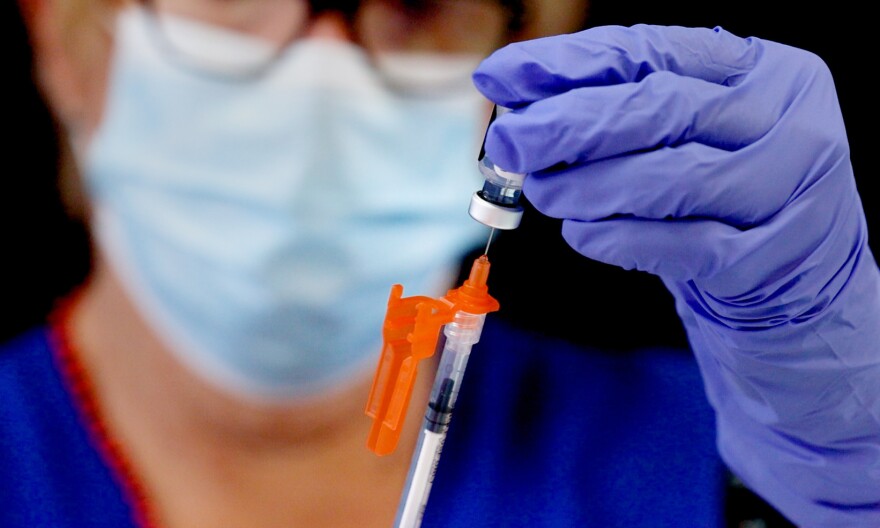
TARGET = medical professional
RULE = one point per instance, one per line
(258, 174)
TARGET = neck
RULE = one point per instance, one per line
(182, 434)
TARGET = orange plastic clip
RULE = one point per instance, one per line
(410, 333)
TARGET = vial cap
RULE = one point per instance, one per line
(492, 215)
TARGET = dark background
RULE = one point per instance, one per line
(541, 283)
(43, 253)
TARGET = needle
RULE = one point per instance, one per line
(486, 251)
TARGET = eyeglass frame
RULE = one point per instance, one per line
(348, 9)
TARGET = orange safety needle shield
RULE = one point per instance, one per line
(410, 333)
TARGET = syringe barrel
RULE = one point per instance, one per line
(460, 336)
(463, 332)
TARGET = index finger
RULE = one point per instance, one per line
(525, 72)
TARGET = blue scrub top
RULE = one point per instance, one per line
(545, 434)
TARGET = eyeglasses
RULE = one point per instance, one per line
(381, 27)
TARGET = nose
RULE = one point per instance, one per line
(331, 25)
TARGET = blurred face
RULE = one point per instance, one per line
(260, 171)
(450, 26)
(73, 39)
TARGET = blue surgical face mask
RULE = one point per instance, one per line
(260, 225)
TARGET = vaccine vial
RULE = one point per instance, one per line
(497, 204)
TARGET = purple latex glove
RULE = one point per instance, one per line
(722, 165)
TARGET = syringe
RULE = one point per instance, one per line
(412, 328)
(410, 334)
(461, 334)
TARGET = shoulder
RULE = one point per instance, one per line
(25, 364)
(31, 387)
(50, 472)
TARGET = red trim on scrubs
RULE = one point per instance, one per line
(82, 394)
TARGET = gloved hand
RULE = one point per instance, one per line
(720, 164)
